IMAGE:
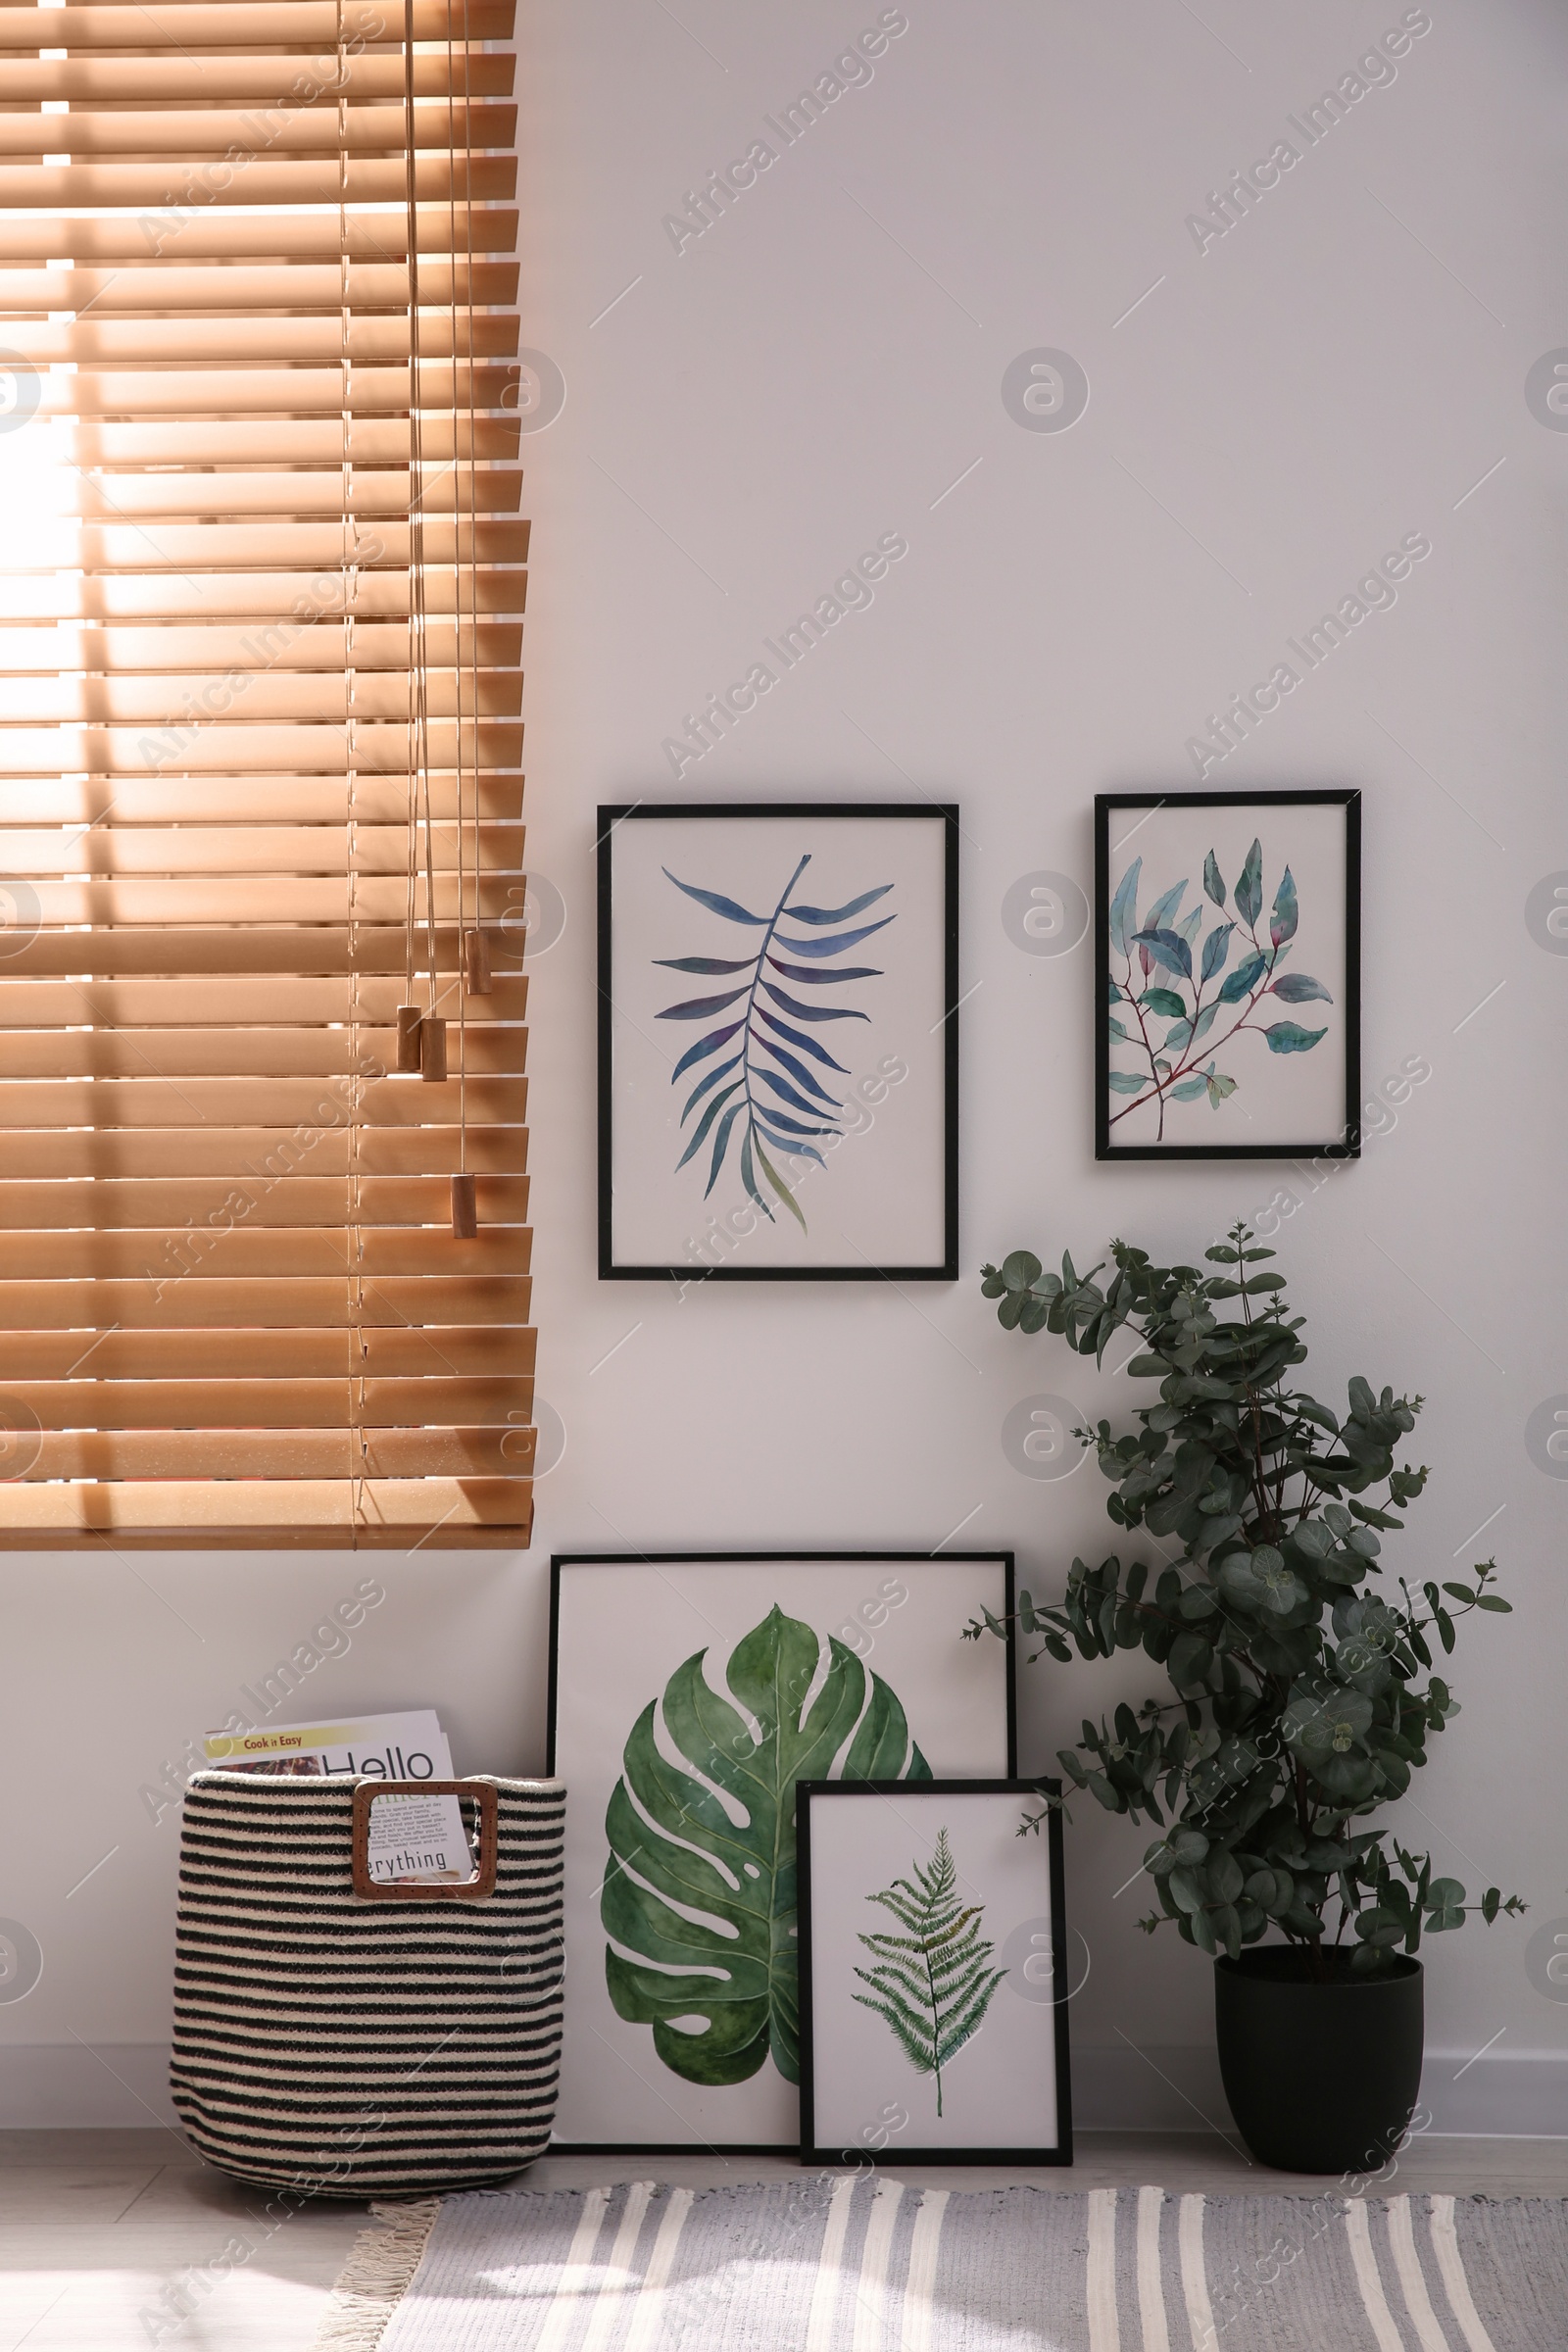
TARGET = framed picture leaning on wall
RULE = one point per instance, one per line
(779, 1047)
(933, 1974)
(1228, 975)
(688, 1694)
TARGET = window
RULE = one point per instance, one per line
(261, 595)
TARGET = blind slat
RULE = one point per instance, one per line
(283, 1403)
(151, 1004)
(338, 1453)
(174, 1202)
(111, 1102)
(145, 80)
(307, 24)
(236, 1151)
(292, 1252)
(269, 1511)
(284, 1300)
(243, 1052)
(209, 1356)
(258, 595)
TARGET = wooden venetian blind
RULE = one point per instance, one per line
(260, 587)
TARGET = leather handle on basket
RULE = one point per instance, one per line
(469, 1891)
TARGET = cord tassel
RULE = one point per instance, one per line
(410, 1022)
(432, 1049)
(465, 1209)
(476, 946)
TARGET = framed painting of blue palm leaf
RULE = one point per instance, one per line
(778, 1052)
(1228, 975)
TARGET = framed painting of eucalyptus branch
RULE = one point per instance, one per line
(933, 1974)
(1228, 975)
(778, 1049)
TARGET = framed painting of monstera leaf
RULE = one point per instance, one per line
(689, 1693)
(1228, 975)
(778, 1042)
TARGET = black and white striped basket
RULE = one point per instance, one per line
(365, 2043)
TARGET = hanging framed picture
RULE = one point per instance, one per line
(688, 1694)
(778, 1042)
(1228, 962)
(933, 1974)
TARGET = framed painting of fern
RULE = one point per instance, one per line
(778, 1042)
(689, 1693)
(1228, 975)
(933, 1974)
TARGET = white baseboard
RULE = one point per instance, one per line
(52, 2085)
(1523, 2093)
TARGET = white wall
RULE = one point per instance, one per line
(817, 369)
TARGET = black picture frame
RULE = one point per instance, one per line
(1346, 1144)
(561, 1563)
(610, 819)
(814, 2151)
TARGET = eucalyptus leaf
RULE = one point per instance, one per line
(1124, 907)
(1216, 948)
(1242, 980)
(1164, 910)
(1299, 988)
(1287, 1037)
(1169, 950)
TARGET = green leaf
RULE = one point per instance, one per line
(1116, 1030)
(1189, 1089)
(1125, 1082)
(1243, 980)
(1164, 910)
(1218, 1088)
(679, 1839)
(1289, 1037)
(1217, 947)
(1281, 925)
(1490, 1600)
(1168, 948)
(1192, 1033)
(933, 1984)
(1124, 907)
(1299, 988)
(1212, 880)
(1250, 887)
(1164, 1001)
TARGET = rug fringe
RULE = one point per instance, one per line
(375, 2277)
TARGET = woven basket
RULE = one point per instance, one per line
(351, 2042)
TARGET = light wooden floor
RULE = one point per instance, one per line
(95, 2225)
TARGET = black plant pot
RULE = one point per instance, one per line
(1321, 2076)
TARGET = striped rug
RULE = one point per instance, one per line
(836, 2263)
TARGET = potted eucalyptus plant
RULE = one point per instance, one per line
(1302, 1694)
